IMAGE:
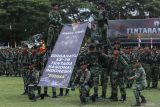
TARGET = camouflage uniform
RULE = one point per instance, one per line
(1, 63)
(105, 73)
(128, 71)
(155, 69)
(32, 81)
(94, 57)
(146, 60)
(54, 28)
(83, 78)
(117, 78)
(9, 61)
(101, 31)
(25, 67)
(140, 77)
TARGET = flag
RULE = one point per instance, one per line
(42, 49)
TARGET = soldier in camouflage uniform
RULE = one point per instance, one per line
(1, 62)
(155, 68)
(53, 31)
(117, 76)
(129, 72)
(83, 79)
(94, 58)
(146, 60)
(105, 71)
(140, 77)
(9, 62)
(25, 67)
(55, 21)
(102, 23)
(32, 81)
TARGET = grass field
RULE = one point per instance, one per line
(11, 89)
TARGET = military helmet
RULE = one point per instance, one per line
(54, 4)
(84, 62)
(92, 46)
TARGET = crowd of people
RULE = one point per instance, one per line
(94, 67)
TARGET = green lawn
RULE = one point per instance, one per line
(11, 89)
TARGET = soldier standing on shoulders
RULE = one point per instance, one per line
(55, 23)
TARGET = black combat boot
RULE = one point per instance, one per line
(143, 99)
(54, 95)
(67, 92)
(45, 92)
(61, 92)
(123, 98)
(93, 98)
(39, 90)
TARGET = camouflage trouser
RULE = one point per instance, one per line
(147, 69)
(129, 73)
(115, 82)
(24, 76)
(31, 92)
(137, 91)
(52, 35)
(95, 72)
(1, 68)
(84, 93)
(9, 68)
(15, 68)
(95, 85)
(155, 75)
(104, 81)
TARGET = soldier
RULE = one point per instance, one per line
(155, 68)
(129, 71)
(83, 79)
(102, 23)
(105, 71)
(1, 62)
(140, 77)
(146, 63)
(32, 81)
(54, 25)
(9, 61)
(94, 58)
(117, 76)
(53, 31)
(25, 61)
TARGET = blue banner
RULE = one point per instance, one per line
(58, 70)
(129, 31)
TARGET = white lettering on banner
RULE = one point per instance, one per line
(58, 71)
(59, 67)
(64, 56)
(72, 33)
(61, 63)
(142, 30)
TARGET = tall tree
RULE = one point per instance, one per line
(20, 18)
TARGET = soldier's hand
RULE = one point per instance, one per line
(130, 78)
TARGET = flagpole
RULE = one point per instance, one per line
(139, 42)
(15, 44)
(8, 44)
(151, 43)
